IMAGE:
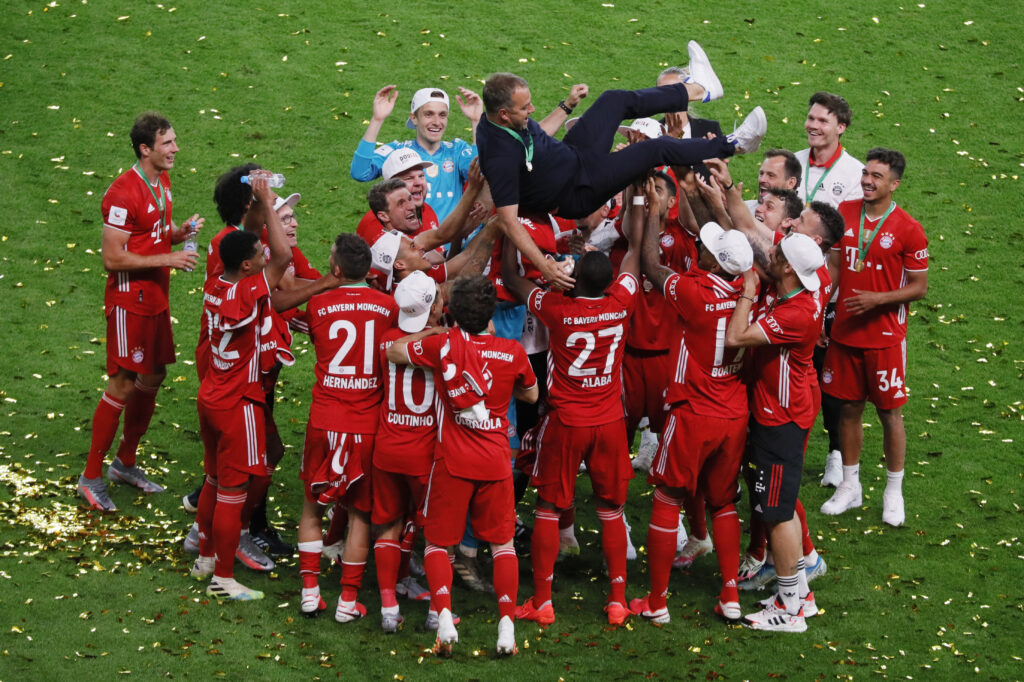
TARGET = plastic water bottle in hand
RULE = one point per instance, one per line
(275, 180)
(191, 240)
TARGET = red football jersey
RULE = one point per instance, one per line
(786, 386)
(238, 317)
(707, 375)
(129, 206)
(408, 419)
(542, 232)
(898, 248)
(346, 325)
(585, 355)
(477, 450)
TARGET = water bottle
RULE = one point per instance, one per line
(275, 180)
(191, 242)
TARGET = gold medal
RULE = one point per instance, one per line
(858, 265)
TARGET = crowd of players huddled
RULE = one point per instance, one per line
(512, 312)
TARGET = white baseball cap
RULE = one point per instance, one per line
(421, 97)
(384, 252)
(804, 254)
(648, 126)
(729, 247)
(290, 200)
(414, 295)
(402, 160)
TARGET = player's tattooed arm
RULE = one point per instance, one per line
(650, 252)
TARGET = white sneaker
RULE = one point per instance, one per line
(446, 633)
(747, 137)
(702, 74)
(775, 618)
(847, 496)
(191, 543)
(809, 606)
(229, 588)
(646, 451)
(333, 552)
(349, 611)
(681, 536)
(311, 603)
(568, 546)
(410, 589)
(695, 547)
(630, 549)
(506, 645)
(819, 569)
(833, 475)
(892, 509)
(729, 610)
(750, 566)
(390, 619)
(203, 567)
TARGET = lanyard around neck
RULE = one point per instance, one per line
(160, 203)
(526, 141)
(863, 244)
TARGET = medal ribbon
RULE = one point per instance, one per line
(160, 203)
(527, 142)
(862, 244)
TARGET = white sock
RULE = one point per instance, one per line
(788, 589)
(851, 472)
(567, 533)
(467, 551)
(769, 560)
(802, 590)
(811, 559)
(894, 481)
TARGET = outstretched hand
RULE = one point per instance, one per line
(471, 104)
(384, 102)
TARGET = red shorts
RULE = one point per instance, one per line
(490, 504)
(138, 343)
(234, 443)
(395, 495)
(561, 448)
(335, 465)
(645, 376)
(875, 374)
(700, 453)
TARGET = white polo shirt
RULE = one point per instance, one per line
(841, 179)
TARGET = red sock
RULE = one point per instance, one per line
(309, 562)
(227, 526)
(258, 486)
(661, 545)
(406, 542)
(351, 579)
(204, 517)
(543, 553)
(808, 544)
(758, 538)
(726, 523)
(695, 515)
(506, 581)
(613, 542)
(138, 411)
(105, 421)
(567, 518)
(339, 524)
(439, 577)
(387, 554)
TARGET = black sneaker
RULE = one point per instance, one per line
(522, 539)
(269, 540)
(191, 501)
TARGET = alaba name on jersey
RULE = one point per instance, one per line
(785, 384)
(585, 351)
(899, 247)
(346, 325)
(408, 421)
(238, 317)
(471, 448)
(129, 206)
(706, 374)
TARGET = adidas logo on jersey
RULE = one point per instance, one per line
(848, 233)
(900, 394)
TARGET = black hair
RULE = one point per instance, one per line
(236, 247)
(472, 303)
(378, 195)
(232, 196)
(498, 91)
(895, 160)
(352, 256)
(831, 222)
(669, 182)
(790, 199)
(594, 272)
(791, 165)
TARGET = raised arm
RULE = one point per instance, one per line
(452, 226)
(397, 352)
(286, 299)
(633, 227)
(280, 250)
(364, 167)
(741, 333)
(558, 116)
(510, 226)
(472, 107)
(474, 258)
(650, 256)
(518, 285)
